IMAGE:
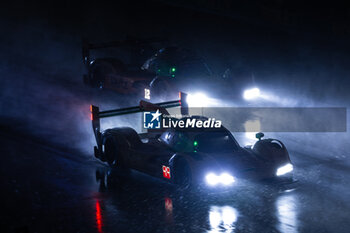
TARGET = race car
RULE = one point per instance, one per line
(113, 73)
(141, 70)
(148, 74)
(188, 157)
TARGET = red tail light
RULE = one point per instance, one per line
(91, 114)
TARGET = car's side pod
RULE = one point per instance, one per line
(96, 115)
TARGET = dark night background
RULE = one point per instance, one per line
(299, 50)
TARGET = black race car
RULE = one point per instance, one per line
(136, 69)
(188, 156)
(122, 72)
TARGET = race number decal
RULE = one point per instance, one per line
(147, 94)
(166, 172)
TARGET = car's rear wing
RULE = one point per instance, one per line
(96, 114)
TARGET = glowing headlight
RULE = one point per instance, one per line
(212, 179)
(251, 93)
(284, 169)
(224, 178)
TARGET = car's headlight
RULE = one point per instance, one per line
(284, 169)
(225, 179)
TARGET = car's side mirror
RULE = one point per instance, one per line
(259, 135)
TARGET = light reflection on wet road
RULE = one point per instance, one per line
(222, 217)
(162, 208)
(287, 215)
(83, 195)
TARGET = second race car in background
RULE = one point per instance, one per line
(152, 72)
(156, 73)
(114, 72)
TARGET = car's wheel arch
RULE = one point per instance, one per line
(272, 149)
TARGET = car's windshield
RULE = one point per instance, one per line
(211, 142)
(176, 62)
(207, 141)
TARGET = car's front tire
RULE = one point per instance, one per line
(183, 177)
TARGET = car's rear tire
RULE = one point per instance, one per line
(115, 152)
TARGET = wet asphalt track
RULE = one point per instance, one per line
(47, 188)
